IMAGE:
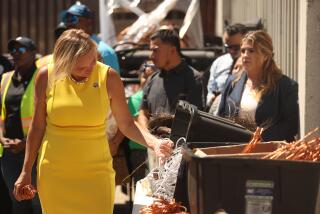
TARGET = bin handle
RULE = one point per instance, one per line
(191, 119)
(182, 140)
(179, 143)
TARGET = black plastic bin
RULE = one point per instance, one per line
(252, 186)
(200, 126)
(201, 129)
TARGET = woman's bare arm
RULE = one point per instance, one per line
(23, 190)
(125, 122)
(38, 124)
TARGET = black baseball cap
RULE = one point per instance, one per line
(60, 29)
(24, 41)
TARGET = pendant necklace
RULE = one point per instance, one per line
(78, 82)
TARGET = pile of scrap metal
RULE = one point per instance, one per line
(132, 49)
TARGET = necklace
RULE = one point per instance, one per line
(76, 81)
(252, 85)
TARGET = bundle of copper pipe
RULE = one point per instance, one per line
(302, 149)
(29, 191)
(256, 138)
(161, 206)
(298, 150)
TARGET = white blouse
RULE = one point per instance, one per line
(248, 106)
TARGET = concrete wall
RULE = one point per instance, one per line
(309, 65)
(280, 19)
(222, 12)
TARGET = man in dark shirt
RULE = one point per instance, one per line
(175, 79)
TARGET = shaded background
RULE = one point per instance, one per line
(37, 19)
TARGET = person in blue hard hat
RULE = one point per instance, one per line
(81, 17)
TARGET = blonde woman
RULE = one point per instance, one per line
(75, 173)
(262, 95)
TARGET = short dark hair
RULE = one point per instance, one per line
(235, 29)
(167, 36)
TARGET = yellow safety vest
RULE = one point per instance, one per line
(27, 106)
(44, 61)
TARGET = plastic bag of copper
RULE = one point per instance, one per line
(161, 206)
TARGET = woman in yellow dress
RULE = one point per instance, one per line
(68, 131)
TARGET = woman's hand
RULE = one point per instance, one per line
(6, 142)
(163, 149)
(23, 189)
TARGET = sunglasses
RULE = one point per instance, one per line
(232, 47)
(147, 65)
(71, 19)
(20, 50)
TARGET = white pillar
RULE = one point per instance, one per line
(309, 65)
(223, 12)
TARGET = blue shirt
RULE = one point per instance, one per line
(108, 55)
(219, 72)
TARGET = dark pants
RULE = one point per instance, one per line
(11, 166)
(137, 157)
(5, 200)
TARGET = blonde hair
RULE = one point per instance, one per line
(69, 47)
(262, 42)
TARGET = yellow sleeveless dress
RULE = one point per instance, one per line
(75, 173)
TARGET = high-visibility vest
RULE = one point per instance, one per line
(26, 106)
(44, 61)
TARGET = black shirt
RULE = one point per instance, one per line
(12, 124)
(165, 88)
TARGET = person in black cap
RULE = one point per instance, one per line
(81, 17)
(59, 30)
(17, 94)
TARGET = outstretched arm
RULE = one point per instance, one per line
(35, 135)
(143, 119)
(126, 124)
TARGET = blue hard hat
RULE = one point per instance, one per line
(77, 9)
